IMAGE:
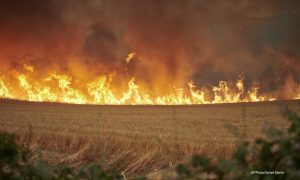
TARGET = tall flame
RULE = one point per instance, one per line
(57, 87)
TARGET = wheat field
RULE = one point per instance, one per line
(137, 139)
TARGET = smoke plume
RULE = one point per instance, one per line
(175, 41)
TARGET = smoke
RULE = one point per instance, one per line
(175, 41)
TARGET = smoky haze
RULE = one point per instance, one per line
(175, 41)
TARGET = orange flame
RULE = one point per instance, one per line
(57, 87)
(130, 57)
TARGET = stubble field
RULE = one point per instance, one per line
(137, 139)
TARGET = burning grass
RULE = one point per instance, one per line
(26, 84)
(136, 139)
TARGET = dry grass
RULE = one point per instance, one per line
(136, 139)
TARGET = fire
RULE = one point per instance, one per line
(57, 87)
(130, 57)
(28, 68)
(4, 92)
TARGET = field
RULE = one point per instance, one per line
(137, 139)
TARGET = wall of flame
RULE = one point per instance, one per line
(57, 87)
(148, 52)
